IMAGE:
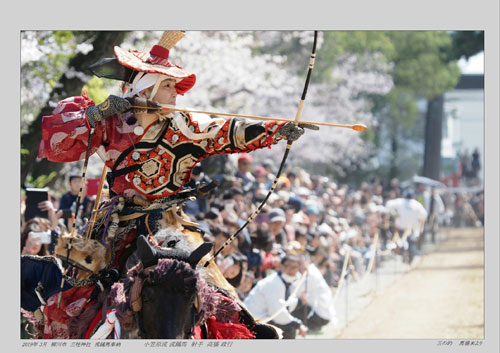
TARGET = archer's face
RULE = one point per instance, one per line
(166, 93)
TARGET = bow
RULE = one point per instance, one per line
(285, 156)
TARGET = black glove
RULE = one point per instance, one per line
(291, 131)
(111, 106)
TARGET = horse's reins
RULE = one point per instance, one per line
(77, 265)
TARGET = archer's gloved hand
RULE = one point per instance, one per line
(111, 106)
(291, 131)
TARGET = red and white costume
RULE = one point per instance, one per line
(154, 162)
(162, 156)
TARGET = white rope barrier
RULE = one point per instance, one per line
(347, 262)
(372, 259)
(342, 275)
(369, 267)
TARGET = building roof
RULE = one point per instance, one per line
(470, 82)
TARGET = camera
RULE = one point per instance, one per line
(33, 198)
(45, 237)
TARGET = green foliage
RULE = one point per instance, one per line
(422, 69)
(424, 66)
(401, 107)
(369, 136)
(63, 37)
(357, 42)
(41, 181)
(337, 43)
(421, 62)
(40, 76)
(466, 44)
(97, 89)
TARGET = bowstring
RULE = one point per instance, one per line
(285, 156)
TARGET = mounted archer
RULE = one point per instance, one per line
(150, 151)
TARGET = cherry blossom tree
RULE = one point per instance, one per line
(235, 75)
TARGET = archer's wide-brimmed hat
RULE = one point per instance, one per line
(155, 62)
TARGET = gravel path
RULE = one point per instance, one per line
(440, 297)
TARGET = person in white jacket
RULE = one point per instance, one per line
(316, 307)
(410, 219)
(273, 298)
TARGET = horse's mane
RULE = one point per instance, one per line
(184, 280)
(214, 303)
(180, 277)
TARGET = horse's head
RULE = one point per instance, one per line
(87, 255)
(168, 301)
(164, 297)
(164, 291)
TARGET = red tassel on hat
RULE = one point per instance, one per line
(159, 51)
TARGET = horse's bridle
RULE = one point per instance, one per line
(141, 276)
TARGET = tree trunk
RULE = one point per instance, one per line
(394, 171)
(103, 47)
(433, 134)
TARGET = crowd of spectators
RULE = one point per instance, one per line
(307, 215)
(470, 165)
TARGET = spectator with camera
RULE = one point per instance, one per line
(41, 228)
(67, 203)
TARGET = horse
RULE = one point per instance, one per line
(166, 295)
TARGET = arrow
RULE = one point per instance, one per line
(356, 127)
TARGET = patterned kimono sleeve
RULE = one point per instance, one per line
(243, 135)
(65, 133)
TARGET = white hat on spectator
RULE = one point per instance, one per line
(303, 191)
(372, 207)
(284, 195)
(325, 229)
(352, 233)
(272, 198)
(332, 219)
(334, 223)
(332, 213)
(294, 246)
(343, 222)
(277, 215)
(323, 241)
(268, 163)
